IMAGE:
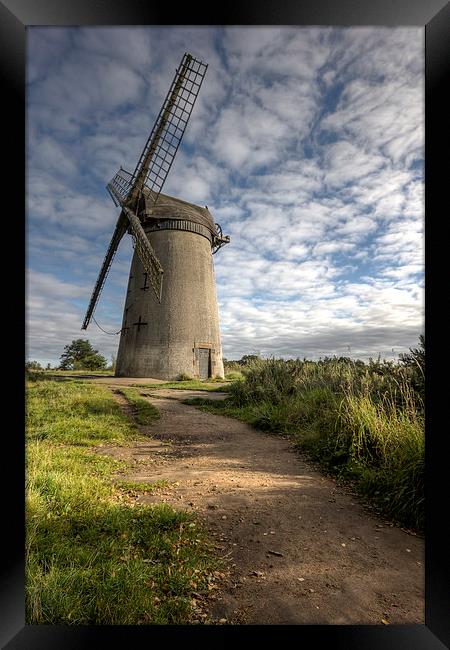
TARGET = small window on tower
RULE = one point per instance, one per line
(145, 287)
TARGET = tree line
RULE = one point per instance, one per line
(78, 355)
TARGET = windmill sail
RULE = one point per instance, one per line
(158, 154)
(120, 186)
(120, 230)
(146, 254)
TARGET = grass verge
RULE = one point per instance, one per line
(93, 554)
(144, 412)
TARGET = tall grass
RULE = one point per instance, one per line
(362, 421)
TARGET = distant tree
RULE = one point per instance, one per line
(80, 355)
(249, 358)
(33, 365)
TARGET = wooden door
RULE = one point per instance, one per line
(204, 363)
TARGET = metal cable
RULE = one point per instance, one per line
(101, 328)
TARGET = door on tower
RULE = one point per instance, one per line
(204, 363)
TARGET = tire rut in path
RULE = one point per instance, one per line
(302, 549)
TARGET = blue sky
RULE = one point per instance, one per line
(307, 145)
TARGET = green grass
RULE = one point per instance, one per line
(224, 407)
(364, 423)
(191, 384)
(145, 412)
(76, 413)
(94, 555)
(234, 375)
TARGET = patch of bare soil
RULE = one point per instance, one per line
(301, 549)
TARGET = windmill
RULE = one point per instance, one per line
(171, 329)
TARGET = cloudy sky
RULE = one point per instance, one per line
(307, 145)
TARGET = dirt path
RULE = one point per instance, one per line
(302, 549)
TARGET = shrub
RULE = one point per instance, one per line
(183, 376)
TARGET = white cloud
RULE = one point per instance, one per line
(325, 248)
(348, 163)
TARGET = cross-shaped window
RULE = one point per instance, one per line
(139, 323)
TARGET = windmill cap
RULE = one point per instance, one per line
(168, 207)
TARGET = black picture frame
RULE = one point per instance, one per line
(434, 16)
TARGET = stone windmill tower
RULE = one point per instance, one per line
(168, 328)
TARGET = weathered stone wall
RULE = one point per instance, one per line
(163, 345)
